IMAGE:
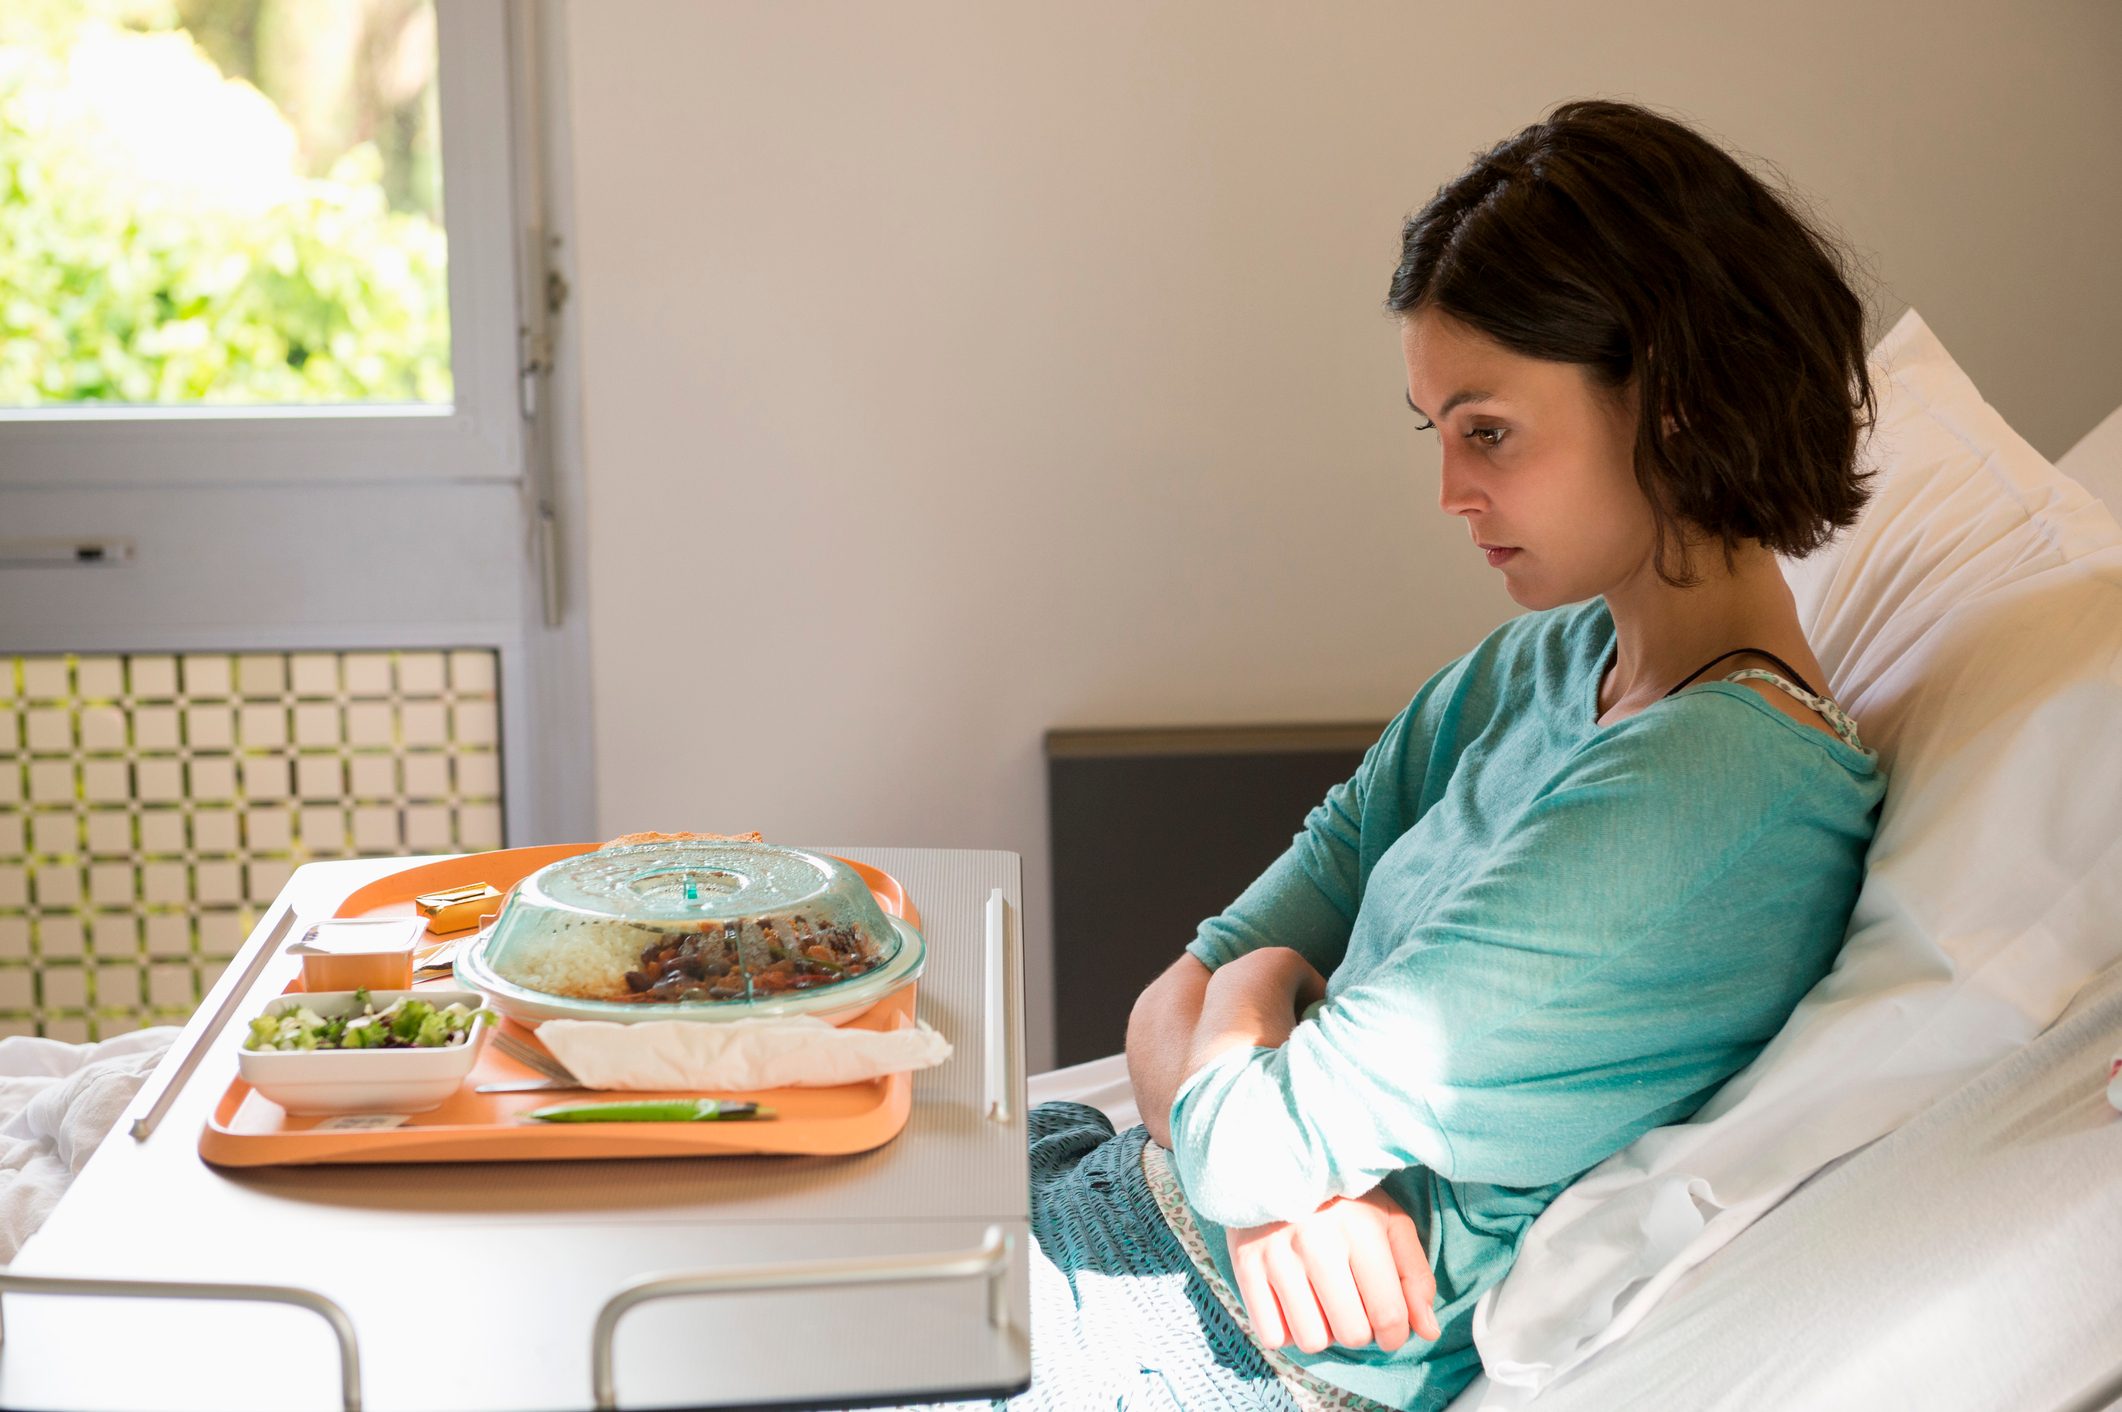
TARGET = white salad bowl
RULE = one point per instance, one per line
(311, 1081)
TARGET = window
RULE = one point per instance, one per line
(225, 236)
(298, 604)
(221, 202)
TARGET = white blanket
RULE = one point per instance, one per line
(57, 1103)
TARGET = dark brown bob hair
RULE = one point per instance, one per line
(1610, 236)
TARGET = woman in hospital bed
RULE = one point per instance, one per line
(1578, 882)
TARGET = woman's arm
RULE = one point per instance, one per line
(1252, 1003)
(1635, 938)
(1188, 1016)
(1160, 1035)
(1354, 1271)
(1306, 900)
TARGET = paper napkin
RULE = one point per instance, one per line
(795, 1052)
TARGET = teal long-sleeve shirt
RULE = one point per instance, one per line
(1541, 937)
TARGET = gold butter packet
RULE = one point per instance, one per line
(456, 909)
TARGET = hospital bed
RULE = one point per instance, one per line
(1911, 1198)
(1967, 1260)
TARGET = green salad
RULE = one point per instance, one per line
(405, 1023)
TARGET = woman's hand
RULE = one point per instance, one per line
(1352, 1273)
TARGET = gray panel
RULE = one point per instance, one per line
(1133, 877)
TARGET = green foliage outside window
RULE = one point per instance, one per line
(211, 268)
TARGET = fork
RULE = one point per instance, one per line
(557, 1074)
(441, 957)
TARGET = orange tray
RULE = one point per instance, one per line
(247, 1129)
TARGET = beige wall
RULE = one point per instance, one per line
(955, 371)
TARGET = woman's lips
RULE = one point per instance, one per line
(1498, 557)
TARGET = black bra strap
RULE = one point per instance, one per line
(1755, 651)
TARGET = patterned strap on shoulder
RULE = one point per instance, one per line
(1834, 715)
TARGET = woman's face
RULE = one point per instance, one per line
(1536, 459)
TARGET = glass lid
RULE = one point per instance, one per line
(691, 929)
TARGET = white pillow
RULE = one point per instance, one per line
(2096, 461)
(1972, 623)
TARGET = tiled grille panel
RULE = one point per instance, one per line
(151, 806)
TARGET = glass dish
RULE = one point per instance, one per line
(691, 930)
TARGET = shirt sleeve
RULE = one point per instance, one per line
(1614, 958)
(1308, 898)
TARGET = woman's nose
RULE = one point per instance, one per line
(1457, 490)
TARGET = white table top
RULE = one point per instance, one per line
(476, 1285)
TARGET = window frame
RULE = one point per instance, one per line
(478, 437)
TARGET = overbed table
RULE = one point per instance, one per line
(480, 1285)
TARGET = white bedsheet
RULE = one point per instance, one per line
(1102, 1083)
(1965, 1262)
(57, 1102)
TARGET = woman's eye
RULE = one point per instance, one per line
(1496, 433)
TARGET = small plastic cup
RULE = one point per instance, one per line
(359, 954)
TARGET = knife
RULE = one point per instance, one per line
(669, 1110)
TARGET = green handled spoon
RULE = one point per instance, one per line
(669, 1110)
